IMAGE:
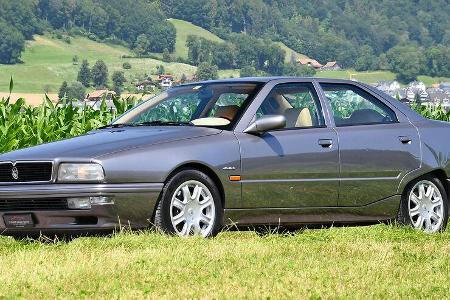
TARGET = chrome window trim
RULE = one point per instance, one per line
(52, 176)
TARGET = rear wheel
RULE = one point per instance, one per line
(425, 205)
(190, 205)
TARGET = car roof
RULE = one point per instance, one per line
(267, 79)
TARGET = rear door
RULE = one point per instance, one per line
(378, 146)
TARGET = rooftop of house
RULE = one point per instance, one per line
(100, 93)
(165, 76)
(309, 61)
(330, 64)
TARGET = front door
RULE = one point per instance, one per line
(377, 148)
(294, 167)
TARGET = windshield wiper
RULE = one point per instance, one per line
(118, 125)
(164, 123)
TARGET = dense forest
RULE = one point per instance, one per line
(409, 37)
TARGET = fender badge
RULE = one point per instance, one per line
(229, 168)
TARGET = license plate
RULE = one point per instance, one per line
(18, 221)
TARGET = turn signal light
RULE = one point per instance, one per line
(235, 177)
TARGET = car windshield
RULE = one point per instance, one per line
(216, 105)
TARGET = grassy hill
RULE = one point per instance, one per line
(47, 62)
(289, 52)
(185, 29)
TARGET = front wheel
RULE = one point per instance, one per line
(425, 205)
(190, 205)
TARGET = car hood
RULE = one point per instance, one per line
(105, 141)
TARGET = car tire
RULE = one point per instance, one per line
(190, 204)
(424, 205)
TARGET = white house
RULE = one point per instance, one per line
(417, 86)
(165, 80)
(390, 87)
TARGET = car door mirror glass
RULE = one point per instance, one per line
(267, 123)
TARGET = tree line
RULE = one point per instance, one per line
(363, 34)
(119, 21)
(97, 76)
(254, 56)
(407, 37)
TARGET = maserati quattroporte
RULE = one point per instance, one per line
(249, 151)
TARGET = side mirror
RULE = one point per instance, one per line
(266, 123)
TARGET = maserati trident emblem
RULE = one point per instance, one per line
(15, 173)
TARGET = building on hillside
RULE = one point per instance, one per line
(390, 87)
(413, 95)
(165, 80)
(400, 94)
(439, 97)
(145, 85)
(417, 86)
(445, 86)
(99, 95)
(331, 65)
(310, 63)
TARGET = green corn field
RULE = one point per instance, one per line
(22, 125)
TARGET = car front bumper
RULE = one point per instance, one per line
(133, 207)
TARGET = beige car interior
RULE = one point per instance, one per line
(295, 117)
(222, 117)
(227, 112)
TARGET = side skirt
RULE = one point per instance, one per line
(382, 210)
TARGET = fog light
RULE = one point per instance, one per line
(102, 200)
(79, 203)
(87, 202)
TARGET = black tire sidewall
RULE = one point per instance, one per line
(171, 186)
(404, 218)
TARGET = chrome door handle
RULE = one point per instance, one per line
(326, 143)
(405, 139)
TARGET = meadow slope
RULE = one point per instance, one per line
(47, 62)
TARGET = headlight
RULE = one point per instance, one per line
(86, 172)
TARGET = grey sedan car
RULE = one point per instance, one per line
(249, 151)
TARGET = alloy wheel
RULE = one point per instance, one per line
(426, 207)
(192, 209)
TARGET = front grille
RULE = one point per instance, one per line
(25, 172)
(33, 204)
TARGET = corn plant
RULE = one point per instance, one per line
(22, 125)
(433, 112)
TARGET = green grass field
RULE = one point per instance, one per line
(47, 62)
(289, 52)
(376, 262)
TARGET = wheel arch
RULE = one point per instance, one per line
(204, 169)
(438, 173)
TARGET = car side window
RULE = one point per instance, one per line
(298, 102)
(353, 106)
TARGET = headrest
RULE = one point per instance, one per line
(304, 118)
(227, 112)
